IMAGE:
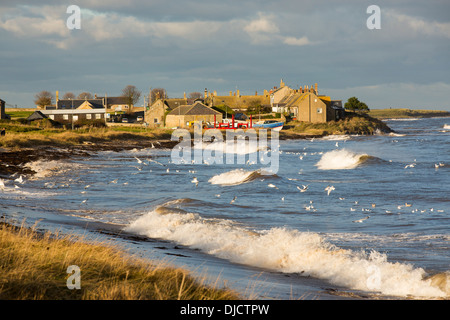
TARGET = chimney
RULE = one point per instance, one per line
(206, 93)
(315, 88)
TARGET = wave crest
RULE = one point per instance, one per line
(341, 159)
(290, 251)
(236, 177)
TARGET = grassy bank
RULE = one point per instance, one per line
(406, 113)
(34, 266)
(19, 135)
(352, 124)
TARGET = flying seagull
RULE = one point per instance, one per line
(302, 189)
(361, 220)
(234, 199)
(329, 189)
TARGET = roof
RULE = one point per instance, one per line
(37, 115)
(116, 100)
(174, 103)
(67, 103)
(197, 108)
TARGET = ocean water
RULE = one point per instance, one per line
(343, 217)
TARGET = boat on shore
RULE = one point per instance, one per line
(270, 124)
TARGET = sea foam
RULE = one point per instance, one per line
(289, 251)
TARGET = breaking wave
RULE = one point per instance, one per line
(341, 159)
(237, 176)
(240, 147)
(291, 251)
(46, 168)
(446, 126)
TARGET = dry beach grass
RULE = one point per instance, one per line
(34, 266)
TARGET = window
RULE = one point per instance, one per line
(88, 116)
(98, 116)
(155, 120)
(75, 118)
(319, 110)
(65, 116)
(51, 116)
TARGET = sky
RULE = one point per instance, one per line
(190, 45)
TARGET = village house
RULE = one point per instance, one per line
(72, 110)
(305, 104)
(183, 116)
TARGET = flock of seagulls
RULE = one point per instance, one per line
(303, 188)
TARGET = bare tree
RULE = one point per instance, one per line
(132, 95)
(68, 95)
(85, 95)
(195, 95)
(43, 98)
(158, 93)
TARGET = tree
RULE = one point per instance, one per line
(158, 93)
(43, 98)
(85, 95)
(354, 104)
(132, 95)
(68, 95)
(195, 95)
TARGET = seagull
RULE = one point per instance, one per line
(329, 189)
(410, 166)
(87, 186)
(436, 166)
(282, 199)
(114, 181)
(272, 186)
(351, 209)
(302, 189)
(19, 179)
(167, 170)
(2, 184)
(361, 220)
(138, 160)
(84, 201)
(195, 181)
(234, 199)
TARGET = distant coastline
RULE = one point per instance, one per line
(399, 113)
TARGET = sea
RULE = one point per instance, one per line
(338, 217)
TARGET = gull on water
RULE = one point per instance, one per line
(361, 220)
(272, 186)
(195, 181)
(329, 189)
(233, 200)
